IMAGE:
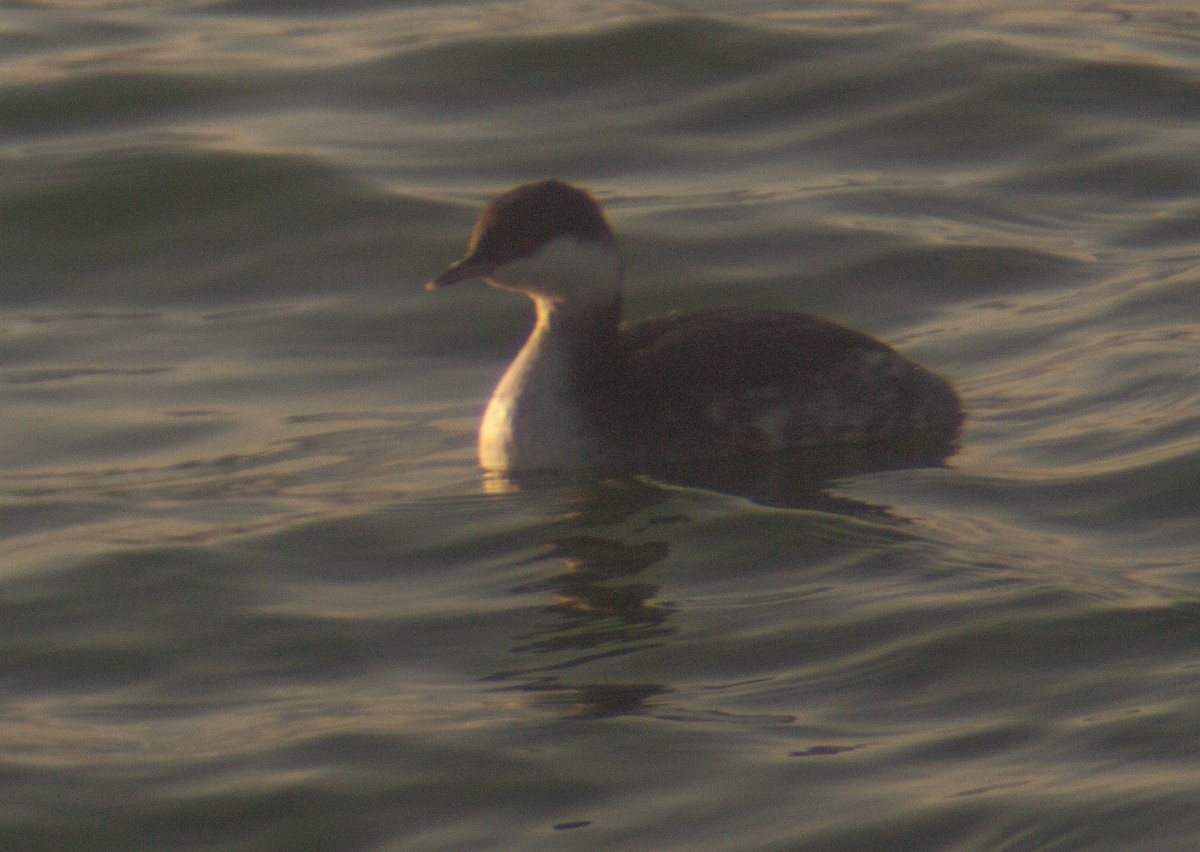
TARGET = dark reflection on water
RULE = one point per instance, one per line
(802, 480)
(798, 480)
(599, 609)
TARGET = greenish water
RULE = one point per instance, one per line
(255, 595)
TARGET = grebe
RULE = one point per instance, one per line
(587, 392)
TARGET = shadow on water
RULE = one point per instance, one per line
(600, 609)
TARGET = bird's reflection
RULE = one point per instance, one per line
(802, 479)
(599, 609)
(594, 600)
(798, 480)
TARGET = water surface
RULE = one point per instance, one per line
(255, 594)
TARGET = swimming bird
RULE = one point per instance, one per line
(586, 392)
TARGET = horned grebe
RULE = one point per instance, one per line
(587, 392)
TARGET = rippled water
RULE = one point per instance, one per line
(255, 595)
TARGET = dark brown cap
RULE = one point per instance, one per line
(522, 220)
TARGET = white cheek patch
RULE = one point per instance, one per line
(564, 270)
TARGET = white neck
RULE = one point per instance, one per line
(541, 415)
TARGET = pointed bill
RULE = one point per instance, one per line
(461, 270)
